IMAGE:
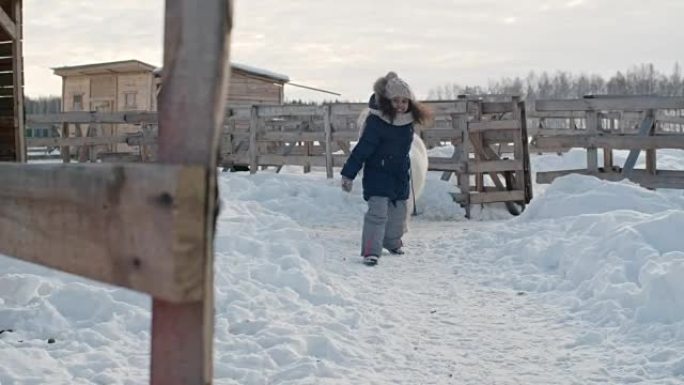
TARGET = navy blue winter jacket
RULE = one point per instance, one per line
(383, 152)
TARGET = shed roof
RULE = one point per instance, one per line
(124, 66)
(113, 67)
(249, 70)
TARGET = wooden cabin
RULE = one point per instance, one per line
(12, 145)
(132, 85)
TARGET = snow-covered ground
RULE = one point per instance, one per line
(586, 287)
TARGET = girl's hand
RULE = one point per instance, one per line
(347, 184)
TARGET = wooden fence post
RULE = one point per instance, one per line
(191, 112)
(328, 141)
(64, 150)
(253, 150)
(464, 177)
(592, 152)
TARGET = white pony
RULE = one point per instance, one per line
(419, 164)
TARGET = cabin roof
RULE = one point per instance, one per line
(125, 66)
(113, 67)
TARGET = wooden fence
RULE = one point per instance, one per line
(147, 227)
(321, 136)
(601, 127)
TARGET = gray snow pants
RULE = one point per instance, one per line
(383, 225)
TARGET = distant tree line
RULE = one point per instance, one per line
(638, 80)
(43, 105)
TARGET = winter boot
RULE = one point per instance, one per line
(397, 251)
(370, 260)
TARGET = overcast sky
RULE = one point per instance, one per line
(344, 46)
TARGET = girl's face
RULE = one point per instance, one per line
(400, 104)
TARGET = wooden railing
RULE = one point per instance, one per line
(321, 136)
(658, 128)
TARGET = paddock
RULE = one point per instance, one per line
(490, 158)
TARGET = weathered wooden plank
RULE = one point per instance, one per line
(456, 122)
(670, 119)
(6, 79)
(76, 141)
(124, 117)
(492, 197)
(8, 25)
(441, 134)
(253, 150)
(6, 49)
(645, 129)
(493, 125)
(484, 166)
(491, 137)
(447, 108)
(6, 91)
(555, 114)
(662, 178)
(18, 84)
(328, 142)
(463, 155)
(497, 107)
(292, 110)
(112, 223)
(619, 142)
(623, 104)
(277, 136)
(592, 151)
(191, 113)
(291, 160)
(119, 157)
(64, 149)
(347, 109)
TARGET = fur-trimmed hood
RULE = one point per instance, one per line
(373, 108)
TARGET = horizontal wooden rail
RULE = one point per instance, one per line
(619, 142)
(125, 117)
(662, 178)
(140, 226)
(493, 125)
(448, 164)
(492, 197)
(624, 104)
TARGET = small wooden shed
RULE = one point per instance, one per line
(251, 86)
(132, 85)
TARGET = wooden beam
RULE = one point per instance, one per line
(662, 179)
(618, 142)
(191, 112)
(8, 24)
(493, 125)
(592, 151)
(64, 150)
(76, 141)
(125, 117)
(491, 197)
(108, 223)
(497, 107)
(6, 49)
(645, 129)
(473, 167)
(18, 85)
(328, 142)
(253, 149)
(622, 104)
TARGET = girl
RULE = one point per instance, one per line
(383, 152)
